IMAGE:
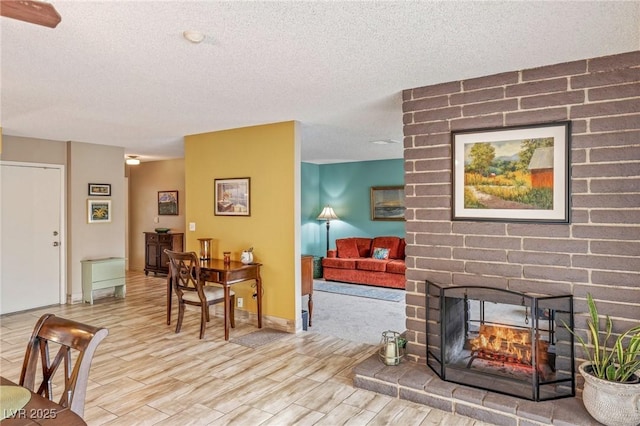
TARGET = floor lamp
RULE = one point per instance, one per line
(327, 214)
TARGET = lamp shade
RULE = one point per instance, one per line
(327, 214)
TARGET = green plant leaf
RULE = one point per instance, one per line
(616, 361)
(611, 372)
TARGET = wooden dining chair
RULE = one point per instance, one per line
(76, 344)
(184, 268)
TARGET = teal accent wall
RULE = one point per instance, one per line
(310, 209)
(346, 187)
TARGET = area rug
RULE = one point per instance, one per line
(388, 294)
(259, 338)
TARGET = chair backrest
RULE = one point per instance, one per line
(74, 340)
(184, 268)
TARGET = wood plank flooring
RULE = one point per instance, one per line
(144, 373)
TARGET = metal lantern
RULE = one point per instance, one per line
(392, 349)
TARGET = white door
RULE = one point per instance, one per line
(30, 235)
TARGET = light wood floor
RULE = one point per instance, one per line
(145, 374)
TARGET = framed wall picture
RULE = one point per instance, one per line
(98, 211)
(100, 189)
(387, 203)
(168, 203)
(232, 197)
(512, 173)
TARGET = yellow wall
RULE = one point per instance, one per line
(268, 155)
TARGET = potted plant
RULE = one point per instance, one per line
(611, 392)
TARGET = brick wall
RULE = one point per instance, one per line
(598, 252)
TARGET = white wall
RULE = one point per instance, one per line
(85, 163)
(89, 163)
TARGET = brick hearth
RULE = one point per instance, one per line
(417, 383)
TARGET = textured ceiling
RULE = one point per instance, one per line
(120, 72)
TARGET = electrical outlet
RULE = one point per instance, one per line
(240, 302)
(192, 226)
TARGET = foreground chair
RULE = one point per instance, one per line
(190, 289)
(67, 335)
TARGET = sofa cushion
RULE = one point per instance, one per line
(401, 247)
(392, 243)
(347, 248)
(396, 266)
(369, 264)
(338, 263)
(364, 246)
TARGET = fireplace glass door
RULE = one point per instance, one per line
(503, 341)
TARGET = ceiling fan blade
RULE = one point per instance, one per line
(35, 12)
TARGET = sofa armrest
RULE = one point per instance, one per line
(332, 253)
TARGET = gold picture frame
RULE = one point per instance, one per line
(387, 202)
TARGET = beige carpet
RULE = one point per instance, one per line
(358, 319)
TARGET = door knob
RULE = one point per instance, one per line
(56, 244)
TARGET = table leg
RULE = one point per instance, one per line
(169, 288)
(310, 305)
(259, 297)
(226, 312)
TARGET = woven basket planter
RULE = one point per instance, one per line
(610, 403)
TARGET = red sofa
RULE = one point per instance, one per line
(362, 261)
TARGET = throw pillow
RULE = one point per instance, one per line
(390, 242)
(380, 253)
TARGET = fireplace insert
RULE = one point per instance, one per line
(502, 341)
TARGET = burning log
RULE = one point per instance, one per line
(505, 344)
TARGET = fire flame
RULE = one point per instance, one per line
(505, 343)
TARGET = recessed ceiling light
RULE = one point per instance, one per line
(385, 142)
(194, 36)
(132, 160)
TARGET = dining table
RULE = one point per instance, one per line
(226, 274)
(20, 406)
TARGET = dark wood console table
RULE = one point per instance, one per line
(215, 271)
(155, 259)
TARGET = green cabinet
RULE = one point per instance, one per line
(103, 273)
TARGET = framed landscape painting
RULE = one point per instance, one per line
(387, 203)
(512, 173)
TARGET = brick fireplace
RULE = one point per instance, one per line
(597, 252)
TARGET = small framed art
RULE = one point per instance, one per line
(168, 203)
(100, 189)
(98, 211)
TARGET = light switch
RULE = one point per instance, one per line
(156, 219)
(192, 226)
